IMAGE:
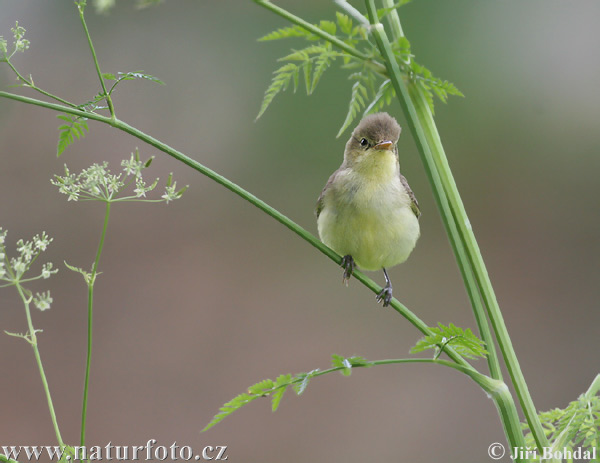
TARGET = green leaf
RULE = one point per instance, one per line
(383, 97)
(304, 54)
(86, 275)
(235, 404)
(285, 33)
(262, 388)
(321, 64)
(307, 70)
(281, 384)
(282, 78)
(344, 22)
(357, 101)
(464, 342)
(328, 26)
(109, 76)
(75, 128)
(575, 426)
(301, 381)
(139, 75)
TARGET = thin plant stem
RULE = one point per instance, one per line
(33, 341)
(91, 283)
(31, 84)
(81, 8)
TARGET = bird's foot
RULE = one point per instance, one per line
(385, 295)
(348, 265)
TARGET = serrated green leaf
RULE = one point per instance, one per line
(462, 341)
(356, 103)
(301, 381)
(322, 63)
(284, 33)
(307, 72)
(328, 26)
(76, 128)
(282, 78)
(384, 94)
(261, 388)
(139, 75)
(109, 76)
(344, 22)
(281, 384)
(304, 54)
(227, 409)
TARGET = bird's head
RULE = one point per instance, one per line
(375, 135)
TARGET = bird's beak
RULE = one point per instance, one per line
(384, 145)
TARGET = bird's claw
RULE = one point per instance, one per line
(348, 265)
(385, 295)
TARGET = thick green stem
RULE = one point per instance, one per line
(38, 359)
(448, 219)
(91, 283)
(461, 220)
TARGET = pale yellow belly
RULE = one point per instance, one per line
(376, 236)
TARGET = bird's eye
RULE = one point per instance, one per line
(364, 142)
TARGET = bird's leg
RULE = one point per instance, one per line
(386, 293)
(349, 265)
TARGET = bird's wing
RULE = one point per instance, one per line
(414, 204)
(321, 200)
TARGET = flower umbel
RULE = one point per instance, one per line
(98, 183)
(12, 270)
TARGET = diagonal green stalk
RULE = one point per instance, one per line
(274, 213)
(91, 282)
(460, 218)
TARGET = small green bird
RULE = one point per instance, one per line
(367, 212)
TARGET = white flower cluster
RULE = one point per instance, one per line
(98, 183)
(12, 270)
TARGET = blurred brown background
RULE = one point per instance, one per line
(202, 297)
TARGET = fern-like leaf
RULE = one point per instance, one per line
(357, 102)
(383, 97)
(322, 62)
(235, 404)
(285, 33)
(302, 379)
(464, 342)
(576, 427)
(75, 128)
(281, 384)
(345, 23)
(280, 82)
